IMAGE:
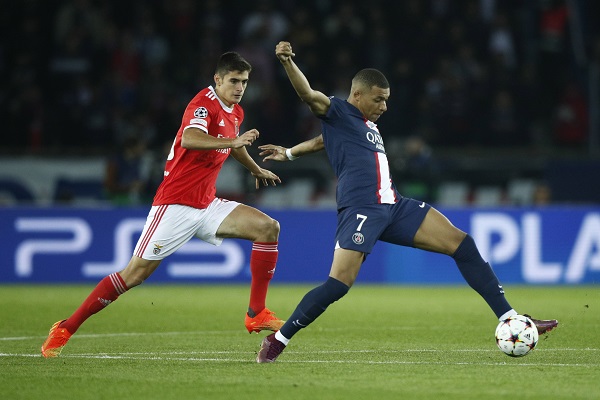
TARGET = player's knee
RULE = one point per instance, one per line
(456, 240)
(270, 229)
(466, 249)
(276, 227)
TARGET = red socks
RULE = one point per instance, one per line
(105, 293)
(262, 266)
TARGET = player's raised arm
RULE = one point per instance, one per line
(279, 153)
(317, 101)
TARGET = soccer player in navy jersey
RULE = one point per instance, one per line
(186, 205)
(369, 206)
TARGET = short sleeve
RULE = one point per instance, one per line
(334, 111)
(197, 115)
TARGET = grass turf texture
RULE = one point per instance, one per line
(379, 342)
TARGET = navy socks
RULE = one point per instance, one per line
(314, 304)
(480, 276)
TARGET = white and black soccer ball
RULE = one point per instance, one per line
(516, 336)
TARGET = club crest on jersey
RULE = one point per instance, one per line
(157, 249)
(358, 238)
(201, 112)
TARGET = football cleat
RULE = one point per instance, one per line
(57, 339)
(270, 349)
(264, 320)
(543, 325)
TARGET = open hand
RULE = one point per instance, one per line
(273, 152)
(266, 177)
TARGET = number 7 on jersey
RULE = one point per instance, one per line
(363, 218)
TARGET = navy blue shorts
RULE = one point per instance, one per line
(360, 227)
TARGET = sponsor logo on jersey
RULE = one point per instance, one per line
(198, 121)
(201, 112)
(376, 139)
(358, 238)
(222, 151)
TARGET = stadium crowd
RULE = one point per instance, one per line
(86, 76)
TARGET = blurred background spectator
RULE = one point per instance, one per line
(416, 169)
(497, 90)
(127, 180)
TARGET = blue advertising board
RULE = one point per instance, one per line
(554, 245)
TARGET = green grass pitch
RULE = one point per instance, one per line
(378, 342)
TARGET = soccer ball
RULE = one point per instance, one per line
(516, 336)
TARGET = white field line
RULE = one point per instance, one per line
(226, 332)
(101, 335)
(118, 356)
(238, 356)
(137, 334)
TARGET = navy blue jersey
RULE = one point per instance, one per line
(357, 155)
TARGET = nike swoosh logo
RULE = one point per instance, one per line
(297, 322)
(422, 205)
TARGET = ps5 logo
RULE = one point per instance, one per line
(72, 236)
(502, 238)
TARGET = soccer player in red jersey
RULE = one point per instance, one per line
(185, 204)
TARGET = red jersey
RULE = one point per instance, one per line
(190, 175)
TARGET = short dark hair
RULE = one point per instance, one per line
(370, 77)
(232, 61)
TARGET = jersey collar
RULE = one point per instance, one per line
(228, 109)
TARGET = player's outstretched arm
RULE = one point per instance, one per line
(279, 153)
(317, 101)
(196, 139)
(263, 176)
